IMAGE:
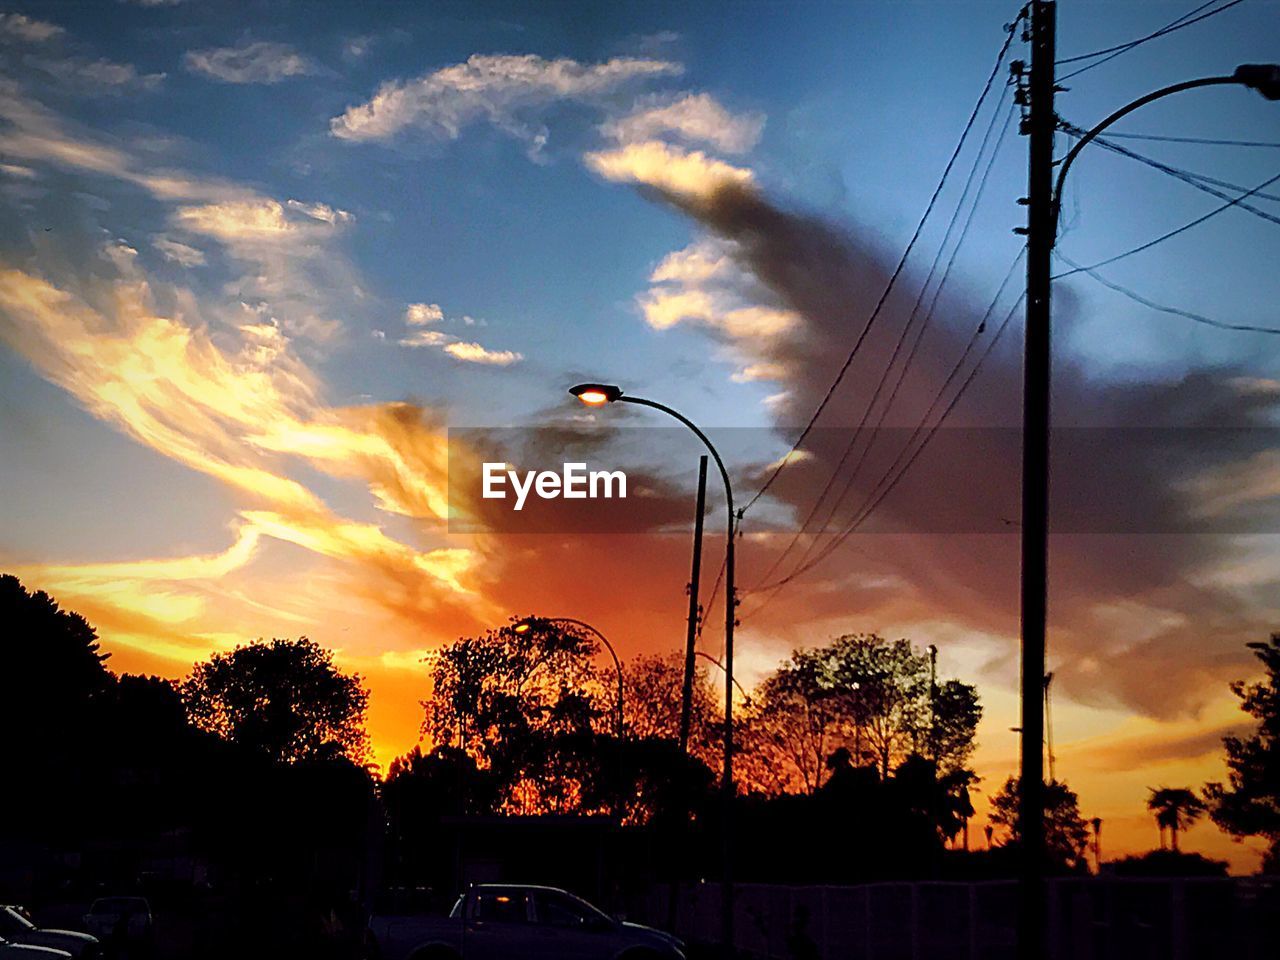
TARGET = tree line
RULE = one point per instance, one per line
(852, 759)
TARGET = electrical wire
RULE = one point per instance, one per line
(1210, 141)
(1110, 53)
(884, 296)
(863, 514)
(858, 432)
(1172, 233)
(1163, 308)
(1186, 176)
(852, 527)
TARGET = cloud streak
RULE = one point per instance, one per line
(694, 117)
(505, 91)
(258, 63)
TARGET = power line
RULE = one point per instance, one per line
(1172, 233)
(1184, 174)
(864, 513)
(1073, 131)
(884, 296)
(861, 518)
(1192, 179)
(711, 598)
(1110, 53)
(914, 349)
(1210, 141)
(874, 499)
(911, 318)
(1163, 308)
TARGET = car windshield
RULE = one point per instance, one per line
(501, 906)
(12, 921)
(559, 909)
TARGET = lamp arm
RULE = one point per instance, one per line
(1124, 111)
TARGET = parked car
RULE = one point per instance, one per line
(21, 951)
(117, 920)
(503, 921)
(16, 926)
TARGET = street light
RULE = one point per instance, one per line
(598, 394)
(1044, 200)
(1262, 77)
(528, 623)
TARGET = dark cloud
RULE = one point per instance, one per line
(1114, 486)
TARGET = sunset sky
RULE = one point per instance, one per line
(256, 259)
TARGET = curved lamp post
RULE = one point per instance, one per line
(1262, 77)
(597, 395)
(528, 623)
(1044, 201)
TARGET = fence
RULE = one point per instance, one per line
(1089, 919)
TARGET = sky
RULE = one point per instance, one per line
(258, 260)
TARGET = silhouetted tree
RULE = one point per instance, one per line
(801, 718)
(654, 690)
(1176, 808)
(862, 693)
(1168, 863)
(957, 713)
(526, 705)
(52, 676)
(1248, 805)
(285, 699)
(1066, 834)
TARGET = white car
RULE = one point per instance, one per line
(17, 927)
(20, 951)
(519, 922)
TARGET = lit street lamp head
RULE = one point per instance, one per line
(596, 394)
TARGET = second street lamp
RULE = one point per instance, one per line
(528, 623)
(598, 394)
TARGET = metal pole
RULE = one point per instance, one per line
(933, 707)
(691, 634)
(730, 620)
(1041, 123)
(686, 699)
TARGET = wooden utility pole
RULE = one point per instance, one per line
(691, 635)
(1039, 125)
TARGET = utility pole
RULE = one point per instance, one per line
(1048, 727)
(686, 697)
(691, 635)
(933, 706)
(1097, 845)
(1039, 125)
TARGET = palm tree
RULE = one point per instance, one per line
(1176, 808)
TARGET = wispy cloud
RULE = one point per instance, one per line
(474, 353)
(420, 314)
(260, 220)
(260, 62)
(245, 410)
(694, 117)
(96, 76)
(421, 318)
(502, 90)
(689, 175)
(178, 252)
(25, 28)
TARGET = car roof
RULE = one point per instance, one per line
(517, 886)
